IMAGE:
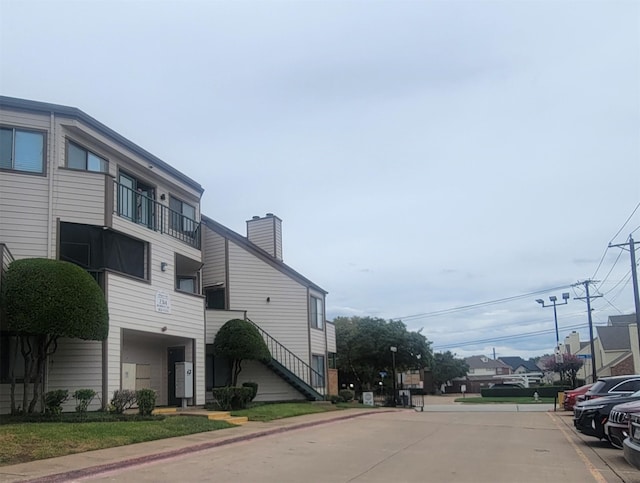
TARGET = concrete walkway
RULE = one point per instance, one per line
(76, 466)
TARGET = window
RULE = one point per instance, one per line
(317, 377)
(187, 284)
(80, 158)
(21, 150)
(317, 313)
(215, 298)
(333, 362)
(136, 200)
(183, 216)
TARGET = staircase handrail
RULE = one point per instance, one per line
(293, 363)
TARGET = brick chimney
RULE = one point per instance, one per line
(266, 232)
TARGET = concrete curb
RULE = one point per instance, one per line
(130, 462)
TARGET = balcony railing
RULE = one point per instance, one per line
(143, 210)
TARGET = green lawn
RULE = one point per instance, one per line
(21, 442)
(28, 441)
(269, 412)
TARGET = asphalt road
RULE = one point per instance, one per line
(437, 445)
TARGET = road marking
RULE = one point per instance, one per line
(592, 469)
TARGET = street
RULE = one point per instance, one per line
(439, 445)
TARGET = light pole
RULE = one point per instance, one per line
(394, 349)
(553, 299)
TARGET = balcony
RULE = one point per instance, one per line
(143, 210)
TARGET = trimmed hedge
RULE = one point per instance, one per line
(543, 391)
(232, 398)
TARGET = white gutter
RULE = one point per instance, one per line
(52, 152)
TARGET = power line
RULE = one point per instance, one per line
(614, 236)
(625, 223)
(477, 305)
(526, 335)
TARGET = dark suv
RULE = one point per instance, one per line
(590, 416)
(614, 386)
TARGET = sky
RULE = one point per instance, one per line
(426, 157)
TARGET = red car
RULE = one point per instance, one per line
(571, 397)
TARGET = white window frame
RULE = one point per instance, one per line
(316, 306)
(88, 157)
(43, 137)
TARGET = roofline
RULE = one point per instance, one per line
(259, 252)
(75, 113)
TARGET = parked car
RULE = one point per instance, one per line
(589, 417)
(506, 385)
(632, 443)
(616, 429)
(571, 396)
(614, 386)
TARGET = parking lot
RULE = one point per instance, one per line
(445, 443)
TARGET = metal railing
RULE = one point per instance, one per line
(292, 362)
(144, 210)
(5, 260)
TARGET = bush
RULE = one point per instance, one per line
(232, 398)
(335, 399)
(83, 398)
(254, 389)
(543, 391)
(122, 400)
(346, 394)
(53, 401)
(146, 401)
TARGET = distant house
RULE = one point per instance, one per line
(615, 348)
(482, 370)
(518, 365)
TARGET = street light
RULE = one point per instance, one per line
(554, 299)
(394, 349)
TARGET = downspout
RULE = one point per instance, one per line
(51, 152)
(51, 162)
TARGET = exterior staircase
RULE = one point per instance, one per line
(297, 373)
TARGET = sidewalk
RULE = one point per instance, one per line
(80, 465)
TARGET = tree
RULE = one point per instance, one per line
(446, 367)
(44, 300)
(363, 349)
(567, 367)
(239, 340)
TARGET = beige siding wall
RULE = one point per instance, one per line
(267, 234)
(284, 316)
(5, 397)
(24, 207)
(79, 197)
(216, 319)
(331, 338)
(213, 249)
(77, 364)
(271, 387)
(132, 307)
(318, 345)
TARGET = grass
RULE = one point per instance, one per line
(22, 442)
(505, 400)
(269, 412)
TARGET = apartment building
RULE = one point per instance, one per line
(73, 189)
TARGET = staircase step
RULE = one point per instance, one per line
(219, 415)
(164, 411)
(237, 420)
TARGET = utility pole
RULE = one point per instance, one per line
(634, 277)
(588, 299)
